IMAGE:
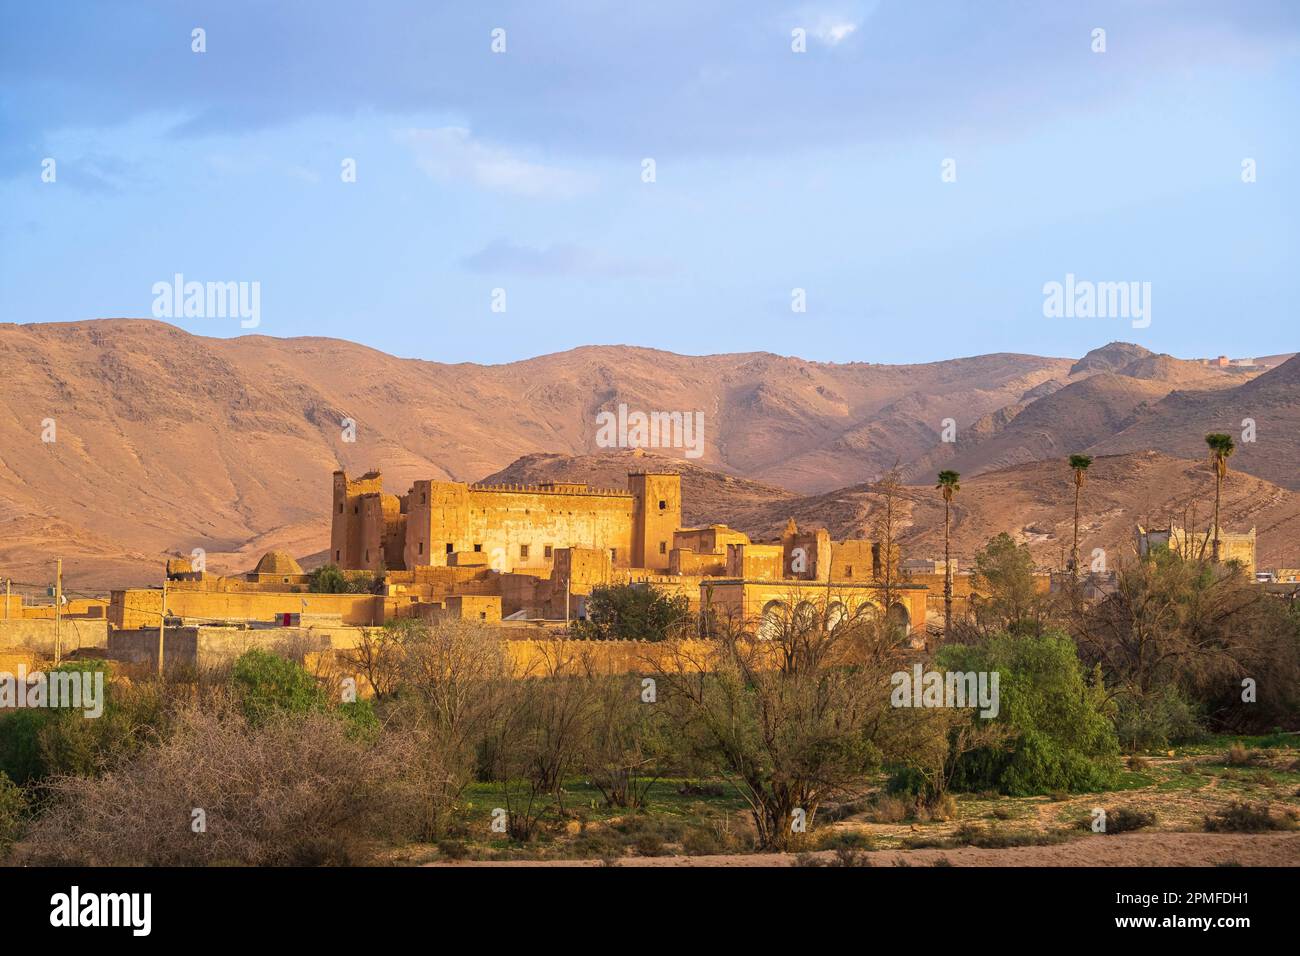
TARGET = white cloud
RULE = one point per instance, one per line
(832, 32)
(451, 153)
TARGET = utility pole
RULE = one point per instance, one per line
(162, 623)
(58, 611)
(8, 583)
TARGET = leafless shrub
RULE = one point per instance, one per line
(296, 790)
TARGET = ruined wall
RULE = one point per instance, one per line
(853, 560)
(686, 561)
(756, 561)
(806, 555)
(711, 540)
(346, 539)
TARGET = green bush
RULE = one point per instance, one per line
(13, 807)
(1062, 736)
(41, 742)
(331, 579)
(625, 612)
(1153, 723)
(269, 684)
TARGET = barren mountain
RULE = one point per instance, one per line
(1033, 502)
(124, 440)
(1178, 423)
(1121, 380)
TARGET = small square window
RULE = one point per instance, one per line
(450, 549)
(478, 547)
(482, 615)
(523, 552)
(613, 554)
(420, 548)
(338, 555)
(546, 551)
(663, 547)
(663, 505)
(340, 507)
(848, 570)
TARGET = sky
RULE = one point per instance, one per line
(921, 170)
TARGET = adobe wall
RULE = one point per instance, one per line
(501, 522)
(141, 607)
(756, 561)
(37, 635)
(686, 561)
(853, 560)
(207, 647)
(710, 540)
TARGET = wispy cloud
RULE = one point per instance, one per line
(501, 256)
(833, 31)
(832, 25)
(451, 153)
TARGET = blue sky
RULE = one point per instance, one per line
(775, 170)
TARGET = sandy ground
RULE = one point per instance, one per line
(1129, 849)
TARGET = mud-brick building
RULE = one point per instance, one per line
(507, 528)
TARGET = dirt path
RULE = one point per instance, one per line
(1130, 849)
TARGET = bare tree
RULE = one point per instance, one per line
(790, 713)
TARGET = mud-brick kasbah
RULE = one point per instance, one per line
(523, 559)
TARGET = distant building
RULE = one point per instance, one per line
(928, 565)
(1233, 545)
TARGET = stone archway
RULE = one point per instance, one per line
(773, 620)
(836, 614)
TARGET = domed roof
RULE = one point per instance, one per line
(277, 562)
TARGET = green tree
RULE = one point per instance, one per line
(948, 486)
(327, 579)
(1079, 465)
(1008, 597)
(1060, 733)
(1221, 448)
(632, 612)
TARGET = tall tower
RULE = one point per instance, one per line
(656, 514)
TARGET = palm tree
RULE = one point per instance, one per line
(949, 486)
(1221, 447)
(1080, 465)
